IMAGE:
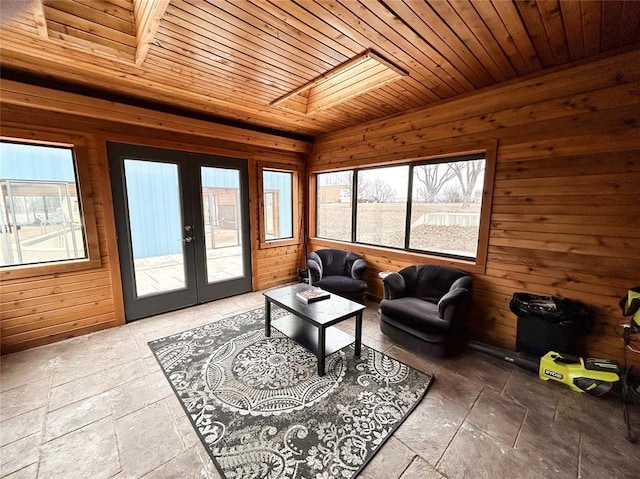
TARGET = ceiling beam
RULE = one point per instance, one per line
(147, 16)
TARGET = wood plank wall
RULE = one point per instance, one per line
(566, 210)
(41, 310)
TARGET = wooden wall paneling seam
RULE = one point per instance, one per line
(91, 31)
(572, 19)
(82, 16)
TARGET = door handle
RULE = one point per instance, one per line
(187, 239)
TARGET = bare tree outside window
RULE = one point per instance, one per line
(467, 173)
(378, 191)
(432, 179)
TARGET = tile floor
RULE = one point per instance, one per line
(74, 410)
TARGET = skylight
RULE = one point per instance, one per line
(356, 76)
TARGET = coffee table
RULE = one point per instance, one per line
(311, 325)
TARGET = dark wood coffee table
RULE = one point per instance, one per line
(311, 324)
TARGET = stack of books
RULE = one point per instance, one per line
(312, 295)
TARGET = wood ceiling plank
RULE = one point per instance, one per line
(280, 42)
(533, 21)
(572, 19)
(249, 46)
(551, 15)
(591, 26)
(388, 24)
(484, 36)
(301, 19)
(630, 31)
(226, 54)
(351, 26)
(518, 31)
(87, 12)
(227, 63)
(503, 38)
(78, 24)
(87, 40)
(40, 20)
(611, 25)
(468, 42)
(147, 24)
(438, 37)
(301, 38)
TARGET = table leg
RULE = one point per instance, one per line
(267, 317)
(358, 345)
(321, 349)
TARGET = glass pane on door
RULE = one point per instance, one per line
(222, 219)
(156, 226)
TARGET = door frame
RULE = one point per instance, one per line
(197, 289)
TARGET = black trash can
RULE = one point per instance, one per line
(547, 323)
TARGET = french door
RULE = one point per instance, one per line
(183, 227)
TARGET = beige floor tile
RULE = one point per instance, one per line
(29, 472)
(22, 426)
(390, 462)
(19, 454)
(96, 383)
(26, 367)
(430, 428)
(420, 469)
(76, 415)
(147, 439)
(138, 394)
(498, 416)
(90, 452)
(23, 399)
(186, 465)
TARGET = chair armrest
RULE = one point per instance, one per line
(314, 263)
(455, 297)
(358, 268)
(394, 286)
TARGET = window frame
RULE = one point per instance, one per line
(79, 148)
(442, 155)
(265, 243)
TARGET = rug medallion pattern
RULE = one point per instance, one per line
(262, 411)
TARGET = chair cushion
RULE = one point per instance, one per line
(334, 262)
(430, 282)
(415, 313)
(341, 284)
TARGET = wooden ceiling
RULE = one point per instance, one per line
(235, 59)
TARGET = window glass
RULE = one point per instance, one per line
(40, 211)
(333, 213)
(277, 187)
(382, 206)
(445, 212)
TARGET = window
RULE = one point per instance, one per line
(334, 206)
(432, 207)
(277, 188)
(382, 193)
(42, 212)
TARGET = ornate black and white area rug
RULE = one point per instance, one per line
(262, 411)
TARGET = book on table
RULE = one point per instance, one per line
(312, 295)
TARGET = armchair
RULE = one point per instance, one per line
(425, 308)
(339, 272)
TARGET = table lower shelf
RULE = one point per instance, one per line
(306, 334)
